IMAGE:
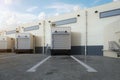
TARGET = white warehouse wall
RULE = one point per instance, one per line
(77, 29)
(111, 33)
(94, 26)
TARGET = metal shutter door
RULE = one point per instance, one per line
(3, 44)
(61, 42)
(23, 43)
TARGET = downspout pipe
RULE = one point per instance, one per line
(43, 38)
(86, 32)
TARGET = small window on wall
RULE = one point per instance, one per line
(110, 13)
(11, 32)
(66, 21)
(36, 27)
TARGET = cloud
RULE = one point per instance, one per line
(10, 18)
(63, 7)
(13, 19)
(76, 8)
(32, 9)
(11, 2)
(42, 16)
(56, 14)
(115, 0)
(5, 3)
(95, 2)
(8, 2)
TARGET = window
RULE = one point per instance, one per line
(110, 13)
(11, 32)
(36, 27)
(66, 21)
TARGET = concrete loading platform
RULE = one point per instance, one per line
(45, 67)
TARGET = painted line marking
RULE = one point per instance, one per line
(10, 56)
(33, 69)
(89, 69)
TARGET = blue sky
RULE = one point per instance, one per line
(14, 12)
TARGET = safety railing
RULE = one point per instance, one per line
(114, 46)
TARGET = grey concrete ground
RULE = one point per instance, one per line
(57, 68)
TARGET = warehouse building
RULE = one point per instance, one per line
(92, 30)
(81, 45)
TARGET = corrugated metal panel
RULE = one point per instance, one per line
(23, 43)
(3, 44)
(61, 38)
(61, 42)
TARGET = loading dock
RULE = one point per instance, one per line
(6, 44)
(61, 40)
(24, 43)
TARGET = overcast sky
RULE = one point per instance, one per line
(13, 12)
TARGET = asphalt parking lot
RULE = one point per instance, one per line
(45, 67)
